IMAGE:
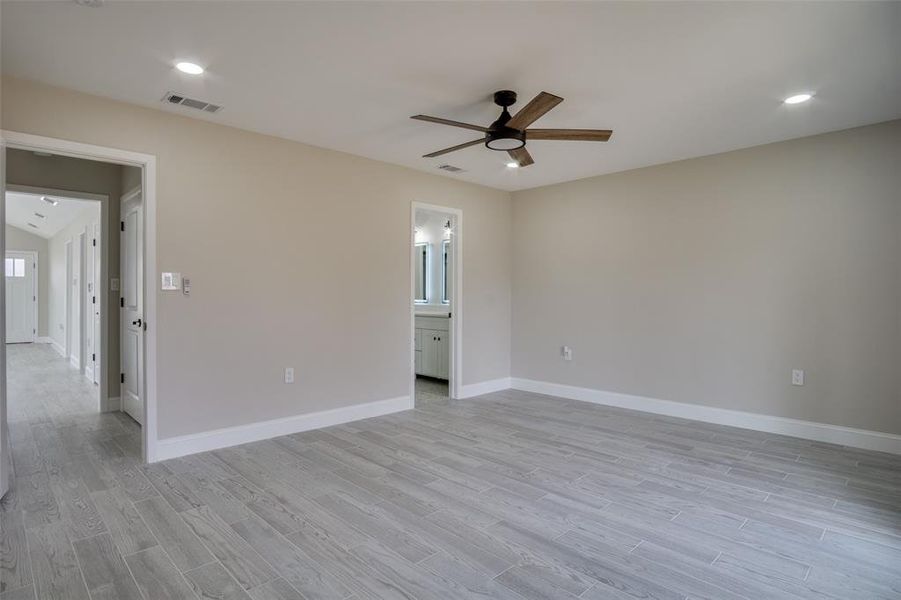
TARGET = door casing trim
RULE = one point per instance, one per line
(148, 165)
(456, 301)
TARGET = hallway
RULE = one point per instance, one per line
(62, 451)
(53, 417)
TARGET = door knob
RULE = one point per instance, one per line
(138, 322)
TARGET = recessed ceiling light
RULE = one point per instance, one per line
(798, 98)
(49, 200)
(39, 215)
(512, 165)
(189, 68)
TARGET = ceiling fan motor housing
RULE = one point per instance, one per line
(500, 137)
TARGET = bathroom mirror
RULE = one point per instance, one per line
(421, 258)
(445, 273)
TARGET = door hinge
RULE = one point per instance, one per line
(122, 377)
(121, 225)
(94, 242)
(93, 358)
(122, 302)
(93, 299)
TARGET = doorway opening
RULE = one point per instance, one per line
(65, 386)
(55, 234)
(436, 274)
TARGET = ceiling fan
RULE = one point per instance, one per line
(509, 133)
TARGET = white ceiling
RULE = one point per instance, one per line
(674, 80)
(21, 209)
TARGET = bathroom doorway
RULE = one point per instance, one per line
(436, 276)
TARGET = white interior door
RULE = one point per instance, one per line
(5, 463)
(95, 303)
(81, 289)
(132, 290)
(21, 297)
(87, 302)
(75, 303)
(67, 291)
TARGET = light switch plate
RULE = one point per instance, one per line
(114, 284)
(797, 377)
(171, 281)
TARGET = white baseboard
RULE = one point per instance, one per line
(73, 360)
(59, 349)
(810, 430)
(113, 404)
(484, 387)
(232, 436)
(43, 340)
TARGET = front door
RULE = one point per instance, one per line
(132, 305)
(21, 297)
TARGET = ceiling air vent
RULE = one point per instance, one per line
(450, 168)
(181, 99)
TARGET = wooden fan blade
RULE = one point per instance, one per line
(532, 111)
(454, 148)
(576, 135)
(449, 122)
(521, 156)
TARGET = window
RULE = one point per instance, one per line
(15, 267)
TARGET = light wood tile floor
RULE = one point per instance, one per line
(509, 496)
(430, 391)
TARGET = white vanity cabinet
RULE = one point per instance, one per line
(432, 344)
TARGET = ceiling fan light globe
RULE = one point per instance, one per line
(504, 139)
(505, 144)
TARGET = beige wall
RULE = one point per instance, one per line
(706, 281)
(281, 241)
(17, 239)
(78, 175)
